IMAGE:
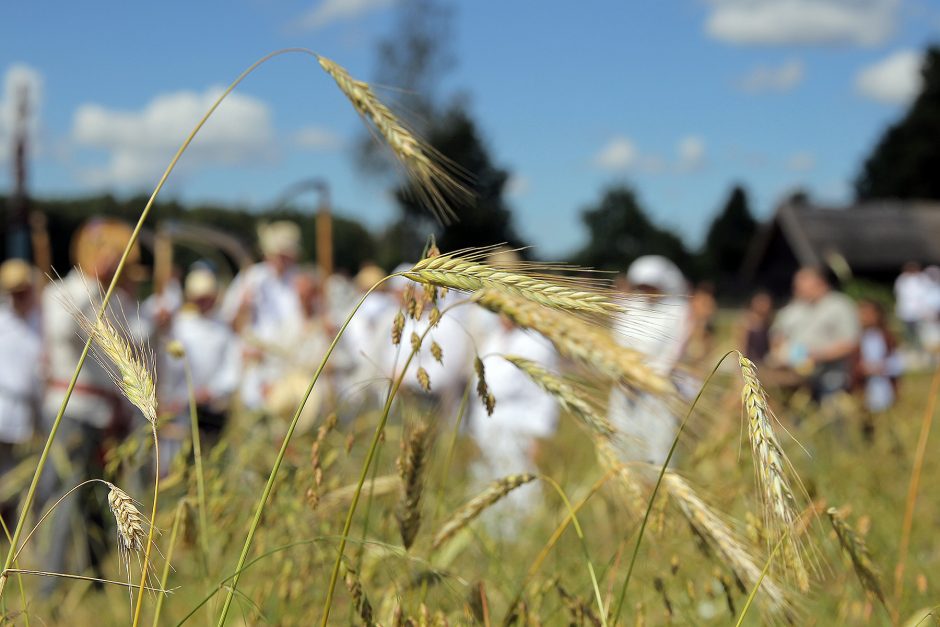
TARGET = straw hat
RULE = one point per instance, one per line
(15, 275)
(368, 275)
(279, 238)
(102, 240)
(200, 283)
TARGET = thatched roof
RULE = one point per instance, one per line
(875, 237)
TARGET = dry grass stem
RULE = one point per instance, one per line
(475, 506)
(433, 175)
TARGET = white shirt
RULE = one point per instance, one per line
(20, 381)
(523, 409)
(274, 303)
(913, 293)
(214, 355)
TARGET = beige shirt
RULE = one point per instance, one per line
(813, 327)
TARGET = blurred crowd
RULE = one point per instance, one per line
(252, 347)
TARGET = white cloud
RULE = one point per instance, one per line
(619, 154)
(330, 11)
(315, 138)
(518, 185)
(801, 162)
(896, 79)
(140, 144)
(802, 22)
(691, 153)
(17, 77)
(778, 78)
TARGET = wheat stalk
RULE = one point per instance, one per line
(566, 394)
(855, 546)
(411, 466)
(706, 522)
(574, 338)
(475, 506)
(770, 467)
(465, 272)
(436, 185)
(359, 599)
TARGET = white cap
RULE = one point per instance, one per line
(279, 238)
(659, 272)
(200, 283)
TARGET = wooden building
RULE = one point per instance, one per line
(871, 241)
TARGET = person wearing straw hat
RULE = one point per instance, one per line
(20, 378)
(263, 306)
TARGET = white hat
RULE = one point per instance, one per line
(279, 238)
(659, 272)
(200, 283)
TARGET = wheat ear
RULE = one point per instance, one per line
(771, 469)
(464, 272)
(566, 393)
(709, 524)
(855, 546)
(130, 367)
(475, 506)
(411, 466)
(436, 185)
(589, 344)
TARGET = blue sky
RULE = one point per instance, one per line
(681, 98)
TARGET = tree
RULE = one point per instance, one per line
(620, 231)
(906, 161)
(728, 238)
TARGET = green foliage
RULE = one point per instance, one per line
(619, 231)
(905, 162)
(728, 238)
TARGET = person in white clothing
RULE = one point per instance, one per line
(213, 353)
(263, 306)
(912, 293)
(645, 423)
(20, 372)
(524, 414)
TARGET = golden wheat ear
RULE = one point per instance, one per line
(437, 180)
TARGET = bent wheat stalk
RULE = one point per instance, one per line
(467, 512)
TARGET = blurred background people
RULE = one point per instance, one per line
(657, 327)
(912, 294)
(754, 332)
(213, 353)
(262, 305)
(20, 367)
(816, 334)
(878, 364)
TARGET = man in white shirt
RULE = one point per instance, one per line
(263, 306)
(20, 381)
(214, 355)
(912, 293)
